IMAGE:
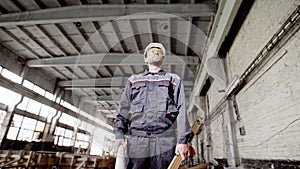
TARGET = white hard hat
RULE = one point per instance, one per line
(155, 45)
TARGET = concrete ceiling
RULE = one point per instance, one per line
(93, 46)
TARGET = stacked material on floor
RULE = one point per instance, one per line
(52, 160)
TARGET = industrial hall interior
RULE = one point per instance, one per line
(64, 65)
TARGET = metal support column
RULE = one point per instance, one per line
(231, 141)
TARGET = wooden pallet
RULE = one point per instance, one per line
(53, 160)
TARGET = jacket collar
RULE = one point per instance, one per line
(160, 72)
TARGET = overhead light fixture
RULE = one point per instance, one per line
(78, 24)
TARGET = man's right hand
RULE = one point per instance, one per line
(118, 143)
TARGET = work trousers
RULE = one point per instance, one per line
(150, 153)
(190, 161)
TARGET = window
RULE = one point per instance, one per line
(63, 137)
(15, 127)
(24, 128)
(28, 84)
(31, 129)
(44, 111)
(51, 114)
(24, 103)
(28, 123)
(34, 107)
(82, 140)
(11, 76)
(12, 133)
(40, 126)
(27, 129)
(69, 106)
(25, 135)
(49, 96)
(39, 90)
(38, 131)
(57, 100)
(37, 108)
(67, 119)
(13, 98)
(17, 121)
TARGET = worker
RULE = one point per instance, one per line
(152, 113)
(190, 154)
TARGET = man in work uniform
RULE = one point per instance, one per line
(152, 113)
(190, 155)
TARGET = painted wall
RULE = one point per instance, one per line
(269, 104)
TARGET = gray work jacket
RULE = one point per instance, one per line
(152, 104)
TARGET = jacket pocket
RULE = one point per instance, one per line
(137, 115)
(166, 90)
(138, 92)
(172, 113)
(167, 114)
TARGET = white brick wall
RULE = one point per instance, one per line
(269, 104)
(263, 20)
(217, 136)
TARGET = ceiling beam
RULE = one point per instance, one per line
(85, 13)
(114, 82)
(108, 98)
(100, 82)
(25, 46)
(108, 59)
(131, 31)
(188, 35)
(150, 29)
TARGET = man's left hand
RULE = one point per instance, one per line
(182, 150)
